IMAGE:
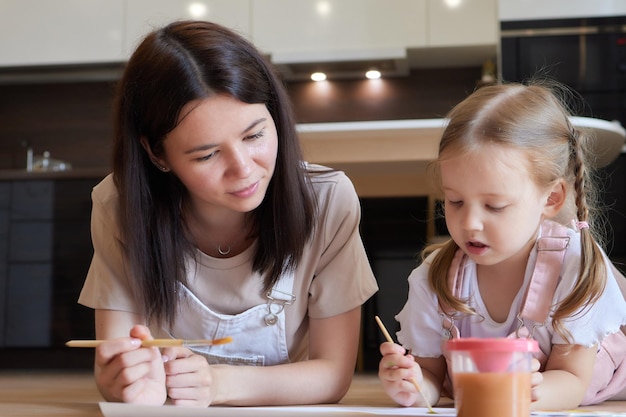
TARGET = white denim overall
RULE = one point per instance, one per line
(609, 373)
(259, 336)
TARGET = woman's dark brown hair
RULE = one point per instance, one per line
(181, 62)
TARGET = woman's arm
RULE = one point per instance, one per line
(566, 377)
(124, 371)
(324, 378)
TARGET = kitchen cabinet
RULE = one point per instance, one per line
(69, 32)
(36, 32)
(360, 29)
(145, 15)
(311, 30)
(462, 23)
(28, 264)
(557, 9)
(44, 256)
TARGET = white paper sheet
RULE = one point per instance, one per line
(130, 410)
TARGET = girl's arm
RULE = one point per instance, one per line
(324, 378)
(566, 377)
(123, 370)
(396, 369)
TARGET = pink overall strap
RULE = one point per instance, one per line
(455, 280)
(551, 248)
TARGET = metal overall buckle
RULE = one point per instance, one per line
(271, 318)
(447, 325)
(522, 331)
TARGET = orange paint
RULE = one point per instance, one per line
(492, 394)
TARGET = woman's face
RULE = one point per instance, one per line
(224, 152)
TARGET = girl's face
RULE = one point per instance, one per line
(224, 152)
(493, 208)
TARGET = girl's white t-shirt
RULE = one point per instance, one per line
(334, 275)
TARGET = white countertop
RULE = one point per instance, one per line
(384, 141)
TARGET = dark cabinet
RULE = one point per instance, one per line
(394, 233)
(45, 251)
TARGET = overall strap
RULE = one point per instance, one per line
(551, 247)
(455, 281)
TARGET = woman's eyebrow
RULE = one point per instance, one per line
(200, 148)
(254, 123)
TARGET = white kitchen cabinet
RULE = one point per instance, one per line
(39, 32)
(144, 15)
(331, 30)
(558, 9)
(462, 22)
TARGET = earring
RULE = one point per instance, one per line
(161, 167)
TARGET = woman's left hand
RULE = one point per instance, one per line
(188, 377)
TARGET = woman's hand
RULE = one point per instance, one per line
(188, 377)
(124, 371)
(395, 371)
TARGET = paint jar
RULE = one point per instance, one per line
(491, 377)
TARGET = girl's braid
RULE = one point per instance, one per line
(579, 171)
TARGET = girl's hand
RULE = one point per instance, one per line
(188, 377)
(124, 371)
(536, 378)
(395, 371)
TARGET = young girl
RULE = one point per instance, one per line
(522, 260)
(212, 226)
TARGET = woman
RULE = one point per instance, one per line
(212, 226)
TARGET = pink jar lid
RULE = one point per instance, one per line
(493, 344)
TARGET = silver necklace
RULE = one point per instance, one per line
(224, 252)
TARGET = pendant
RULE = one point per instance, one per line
(223, 252)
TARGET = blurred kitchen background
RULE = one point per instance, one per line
(60, 61)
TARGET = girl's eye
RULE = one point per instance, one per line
(455, 203)
(496, 209)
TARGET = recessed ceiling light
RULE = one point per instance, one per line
(318, 76)
(197, 10)
(453, 4)
(373, 74)
(323, 8)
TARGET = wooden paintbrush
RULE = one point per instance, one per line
(413, 381)
(156, 342)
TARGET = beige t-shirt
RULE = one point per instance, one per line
(333, 276)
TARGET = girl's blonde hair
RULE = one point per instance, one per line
(532, 118)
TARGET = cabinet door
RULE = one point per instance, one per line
(144, 15)
(297, 31)
(28, 305)
(5, 198)
(36, 32)
(462, 22)
(558, 9)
